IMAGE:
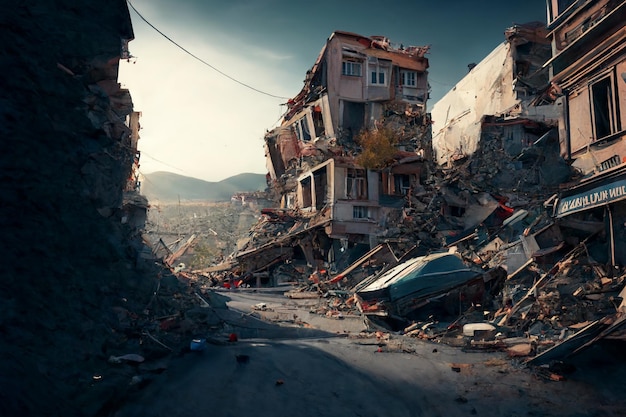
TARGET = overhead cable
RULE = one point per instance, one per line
(200, 59)
(143, 153)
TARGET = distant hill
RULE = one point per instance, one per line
(167, 186)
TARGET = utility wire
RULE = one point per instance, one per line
(200, 59)
(440, 83)
(162, 162)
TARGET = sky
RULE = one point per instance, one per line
(210, 92)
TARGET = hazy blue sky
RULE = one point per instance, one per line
(200, 123)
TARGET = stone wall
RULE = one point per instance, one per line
(68, 260)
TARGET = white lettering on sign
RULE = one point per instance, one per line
(592, 199)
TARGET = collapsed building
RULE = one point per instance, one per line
(340, 202)
(495, 99)
(514, 203)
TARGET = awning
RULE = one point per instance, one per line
(595, 197)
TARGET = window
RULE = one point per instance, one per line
(307, 198)
(402, 183)
(356, 186)
(318, 122)
(359, 212)
(408, 78)
(302, 130)
(603, 108)
(352, 119)
(557, 7)
(378, 71)
(377, 78)
(351, 68)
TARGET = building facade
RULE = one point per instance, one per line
(588, 76)
(357, 84)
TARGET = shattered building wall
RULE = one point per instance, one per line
(495, 137)
(502, 85)
(339, 202)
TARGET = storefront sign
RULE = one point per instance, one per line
(596, 197)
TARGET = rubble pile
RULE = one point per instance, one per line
(490, 208)
(272, 224)
(216, 229)
(482, 227)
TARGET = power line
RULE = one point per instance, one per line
(200, 59)
(162, 162)
(440, 83)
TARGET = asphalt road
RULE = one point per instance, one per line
(334, 369)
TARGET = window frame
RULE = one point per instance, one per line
(356, 181)
(351, 68)
(301, 127)
(360, 212)
(603, 103)
(404, 78)
(378, 73)
(402, 183)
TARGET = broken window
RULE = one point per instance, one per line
(307, 199)
(352, 120)
(320, 179)
(408, 78)
(289, 201)
(301, 128)
(603, 108)
(351, 68)
(397, 184)
(356, 185)
(378, 70)
(359, 212)
(318, 122)
(402, 183)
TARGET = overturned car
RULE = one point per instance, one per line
(440, 283)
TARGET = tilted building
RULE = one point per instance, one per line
(315, 158)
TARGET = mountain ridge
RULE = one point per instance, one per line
(167, 186)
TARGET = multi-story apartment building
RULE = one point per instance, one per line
(358, 84)
(588, 76)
